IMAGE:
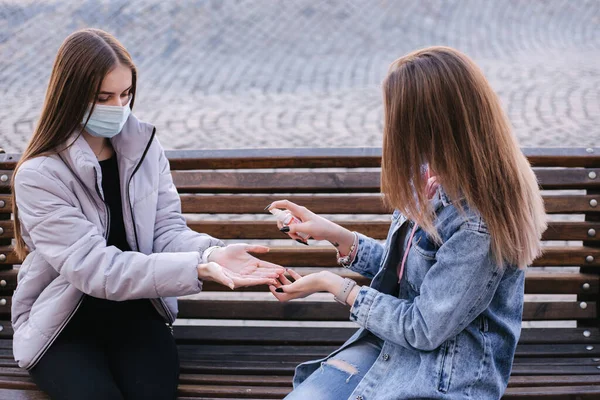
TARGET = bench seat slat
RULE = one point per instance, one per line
(332, 311)
(268, 340)
(18, 374)
(554, 392)
(269, 336)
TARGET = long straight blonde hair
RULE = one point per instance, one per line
(440, 110)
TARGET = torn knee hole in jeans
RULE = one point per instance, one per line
(343, 366)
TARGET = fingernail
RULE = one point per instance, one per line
(279, 290)
(300, 241)
(285, 229)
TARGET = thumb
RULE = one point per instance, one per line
(282, 289)
(292, 288)
(220, 276)
(256, 249)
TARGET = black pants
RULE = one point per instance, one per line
(111, 351)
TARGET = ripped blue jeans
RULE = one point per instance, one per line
(338, 376)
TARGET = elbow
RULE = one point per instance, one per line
(428, 345)
(427, 339)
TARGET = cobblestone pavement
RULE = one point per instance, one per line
(259, 73)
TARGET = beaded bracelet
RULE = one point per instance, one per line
(346, 261)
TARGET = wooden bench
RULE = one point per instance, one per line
(224, 194)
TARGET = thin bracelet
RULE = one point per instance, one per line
(346, 261)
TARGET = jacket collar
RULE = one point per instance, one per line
(133, 139)
(443, 197)
(129, 146)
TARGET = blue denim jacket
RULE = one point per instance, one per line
(452, 331)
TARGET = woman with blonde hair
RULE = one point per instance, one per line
(442, 316)
(106, 249)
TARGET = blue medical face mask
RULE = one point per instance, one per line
(107, 121)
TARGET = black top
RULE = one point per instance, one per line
(96, 311)
(112, 196)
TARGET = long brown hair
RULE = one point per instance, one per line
(82, 62)
(441, 111)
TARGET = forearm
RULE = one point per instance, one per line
(341, 238)
(332, 283)
(182, 239)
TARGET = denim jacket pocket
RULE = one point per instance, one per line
(446, 363)
(424, 245)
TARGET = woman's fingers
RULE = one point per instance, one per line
(293, 229)
(268, 266)
(284, 280)
(282, 296)
(219, 275)
(294, 274)
(264, 273)
(246, 280)
(251, 281)
(298, 211)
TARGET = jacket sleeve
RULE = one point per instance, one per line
(368, 257)
(71, 244)
(456, 289)
(171, 233)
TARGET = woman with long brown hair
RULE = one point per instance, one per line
(106, 249)
(442, 316)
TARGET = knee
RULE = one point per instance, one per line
(343, 366)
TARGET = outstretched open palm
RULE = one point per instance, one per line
(237, 258)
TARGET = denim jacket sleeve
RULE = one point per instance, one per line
(457, 288)
(368, 257)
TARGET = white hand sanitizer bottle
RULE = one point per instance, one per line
(287, 218)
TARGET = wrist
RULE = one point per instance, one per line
(202, 270)
(331, 282)
(209, 254)
(342, 239)
(352, 296)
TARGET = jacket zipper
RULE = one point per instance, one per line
(137, 245)
(108, 216)
(53, 338)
